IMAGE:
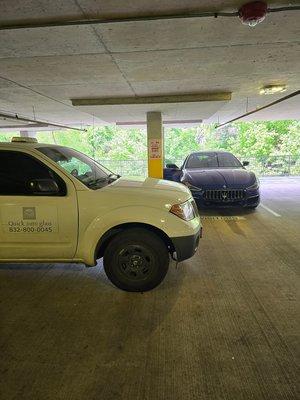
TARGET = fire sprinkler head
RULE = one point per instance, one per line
(253, 13)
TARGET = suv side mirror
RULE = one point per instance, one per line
(43, 186)
(245, 163)
(172, 166)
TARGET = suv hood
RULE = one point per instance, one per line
(218, 178)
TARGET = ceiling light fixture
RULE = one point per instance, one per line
(272, 89)
(253, 13)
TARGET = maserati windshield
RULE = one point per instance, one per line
(212, 160)
(83, 168)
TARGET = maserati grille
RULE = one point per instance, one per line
(224, 195)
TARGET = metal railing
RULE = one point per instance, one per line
(281, 165)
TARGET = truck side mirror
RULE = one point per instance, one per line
(172, 166)
(43, 186)
(245, 163)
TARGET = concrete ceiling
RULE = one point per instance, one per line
(42, 69)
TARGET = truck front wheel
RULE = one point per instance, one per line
(136, 260)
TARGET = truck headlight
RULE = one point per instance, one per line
(184, 211)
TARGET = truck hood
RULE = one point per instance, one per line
(151, 187)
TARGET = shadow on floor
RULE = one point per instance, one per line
(225, 212)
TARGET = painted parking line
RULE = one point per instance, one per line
(224, 218)
(270, 211)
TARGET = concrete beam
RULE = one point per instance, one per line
(176, 123)
(136, 18)
(181, 98)
(15, 117)
(258, 109)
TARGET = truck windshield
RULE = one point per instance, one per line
(82, 167)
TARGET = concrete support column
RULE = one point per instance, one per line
(28, 134)
(155, 145)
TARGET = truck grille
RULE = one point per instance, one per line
(225, 196)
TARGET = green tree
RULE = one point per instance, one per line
(6, 137)
(245, 139)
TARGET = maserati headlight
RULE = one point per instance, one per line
(184, 211)
(190, 186)
(255, 185)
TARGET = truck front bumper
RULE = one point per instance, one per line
(186, 246)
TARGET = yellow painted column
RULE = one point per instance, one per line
(155, 142)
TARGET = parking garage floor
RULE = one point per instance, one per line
(223, 325)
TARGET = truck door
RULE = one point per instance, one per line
(38, 210)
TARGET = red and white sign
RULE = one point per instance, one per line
(155, 149)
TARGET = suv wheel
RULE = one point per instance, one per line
(136, 260)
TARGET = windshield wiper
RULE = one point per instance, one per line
(108, 179)
(111, 175)
(96, 181)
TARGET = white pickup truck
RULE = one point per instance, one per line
(58, 205)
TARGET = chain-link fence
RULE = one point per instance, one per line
(126, 167)
(262, 166)
(275, 165)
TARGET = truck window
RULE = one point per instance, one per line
(82, 167)
(18, 169)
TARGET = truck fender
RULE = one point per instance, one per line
(124, 215)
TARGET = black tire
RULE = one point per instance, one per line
(136, 260)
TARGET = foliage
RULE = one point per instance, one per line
(109, 142)
(245, 139)
(6, 137)
(249, 140)
(263, 139)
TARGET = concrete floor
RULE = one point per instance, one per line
(223, 325)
